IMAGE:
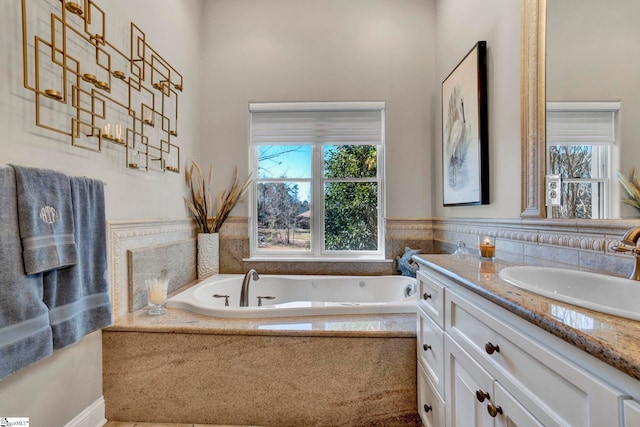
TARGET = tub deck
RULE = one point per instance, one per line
(351, 325)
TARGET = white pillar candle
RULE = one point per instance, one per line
(157, 291)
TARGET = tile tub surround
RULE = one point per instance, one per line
(319, 371)
(147, 263)
(614, 340)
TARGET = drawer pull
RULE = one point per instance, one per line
(426, 347)
(427, 408)
(494, 410)
(482, 395)
(490, 348)
(426, 296)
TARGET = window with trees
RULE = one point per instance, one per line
(319, 179)
(580, 154)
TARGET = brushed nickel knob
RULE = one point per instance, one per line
(426, 296)
(490, 348)
(482, 395)
(426, 347)
(427, 408)
(494, 410)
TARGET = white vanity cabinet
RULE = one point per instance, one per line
(481, 365)
(475, 398)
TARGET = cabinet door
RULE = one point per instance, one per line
(469, 389)
(511, 413)
(631, 413)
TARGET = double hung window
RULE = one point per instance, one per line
(319, 179)
(580, 153)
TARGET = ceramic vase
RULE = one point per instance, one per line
(208, 257)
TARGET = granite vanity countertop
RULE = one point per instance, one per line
(182, 321)
(614, 340)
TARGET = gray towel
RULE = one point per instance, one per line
(45, 219)
(78, 296)
(25, 335)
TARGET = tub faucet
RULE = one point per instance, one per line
(244, 293)
(630, 244)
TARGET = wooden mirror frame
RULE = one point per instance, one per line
(533, 110)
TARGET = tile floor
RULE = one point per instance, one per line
(127, 424)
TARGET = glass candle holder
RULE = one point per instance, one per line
(461, 251)
(487, 247)
(156, 295)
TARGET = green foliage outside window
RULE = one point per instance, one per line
(351, 208)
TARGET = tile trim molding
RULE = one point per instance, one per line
(123, 235)
(408, 228)
(588, 235)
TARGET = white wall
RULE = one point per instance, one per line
(173, 28)
(460, 25)
(330, 50)
(55, 390)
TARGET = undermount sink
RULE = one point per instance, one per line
(598, 292)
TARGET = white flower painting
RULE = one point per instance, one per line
(464, 131)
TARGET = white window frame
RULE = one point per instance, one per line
(317, 251)
(589, 124)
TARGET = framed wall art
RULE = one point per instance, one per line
(465, 133)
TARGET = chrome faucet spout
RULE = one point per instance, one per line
(630, 243)
(244, 292)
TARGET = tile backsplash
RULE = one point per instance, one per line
(584, 244)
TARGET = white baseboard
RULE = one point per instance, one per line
(92, 416)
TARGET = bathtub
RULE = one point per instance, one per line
(283, 296)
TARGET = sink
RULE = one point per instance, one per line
(598, 292)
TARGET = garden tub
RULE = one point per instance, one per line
(285, 296)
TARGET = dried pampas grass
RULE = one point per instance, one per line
(200, 203)
(632, 187)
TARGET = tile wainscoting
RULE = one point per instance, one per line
(582, 244)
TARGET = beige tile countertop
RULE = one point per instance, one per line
(612, 339)
(181, 321)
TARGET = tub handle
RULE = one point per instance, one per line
(226, 299)
(265, 297)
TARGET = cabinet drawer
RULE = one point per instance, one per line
(431, 407)
(431, 350)
(556, 392)
(431, 297)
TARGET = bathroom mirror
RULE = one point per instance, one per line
(581, 51)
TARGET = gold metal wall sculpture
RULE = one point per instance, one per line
(89, 89)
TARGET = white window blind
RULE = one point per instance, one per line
(575, 123)
(348, 123)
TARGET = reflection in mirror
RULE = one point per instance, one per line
(581, 155)
(592, 88)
